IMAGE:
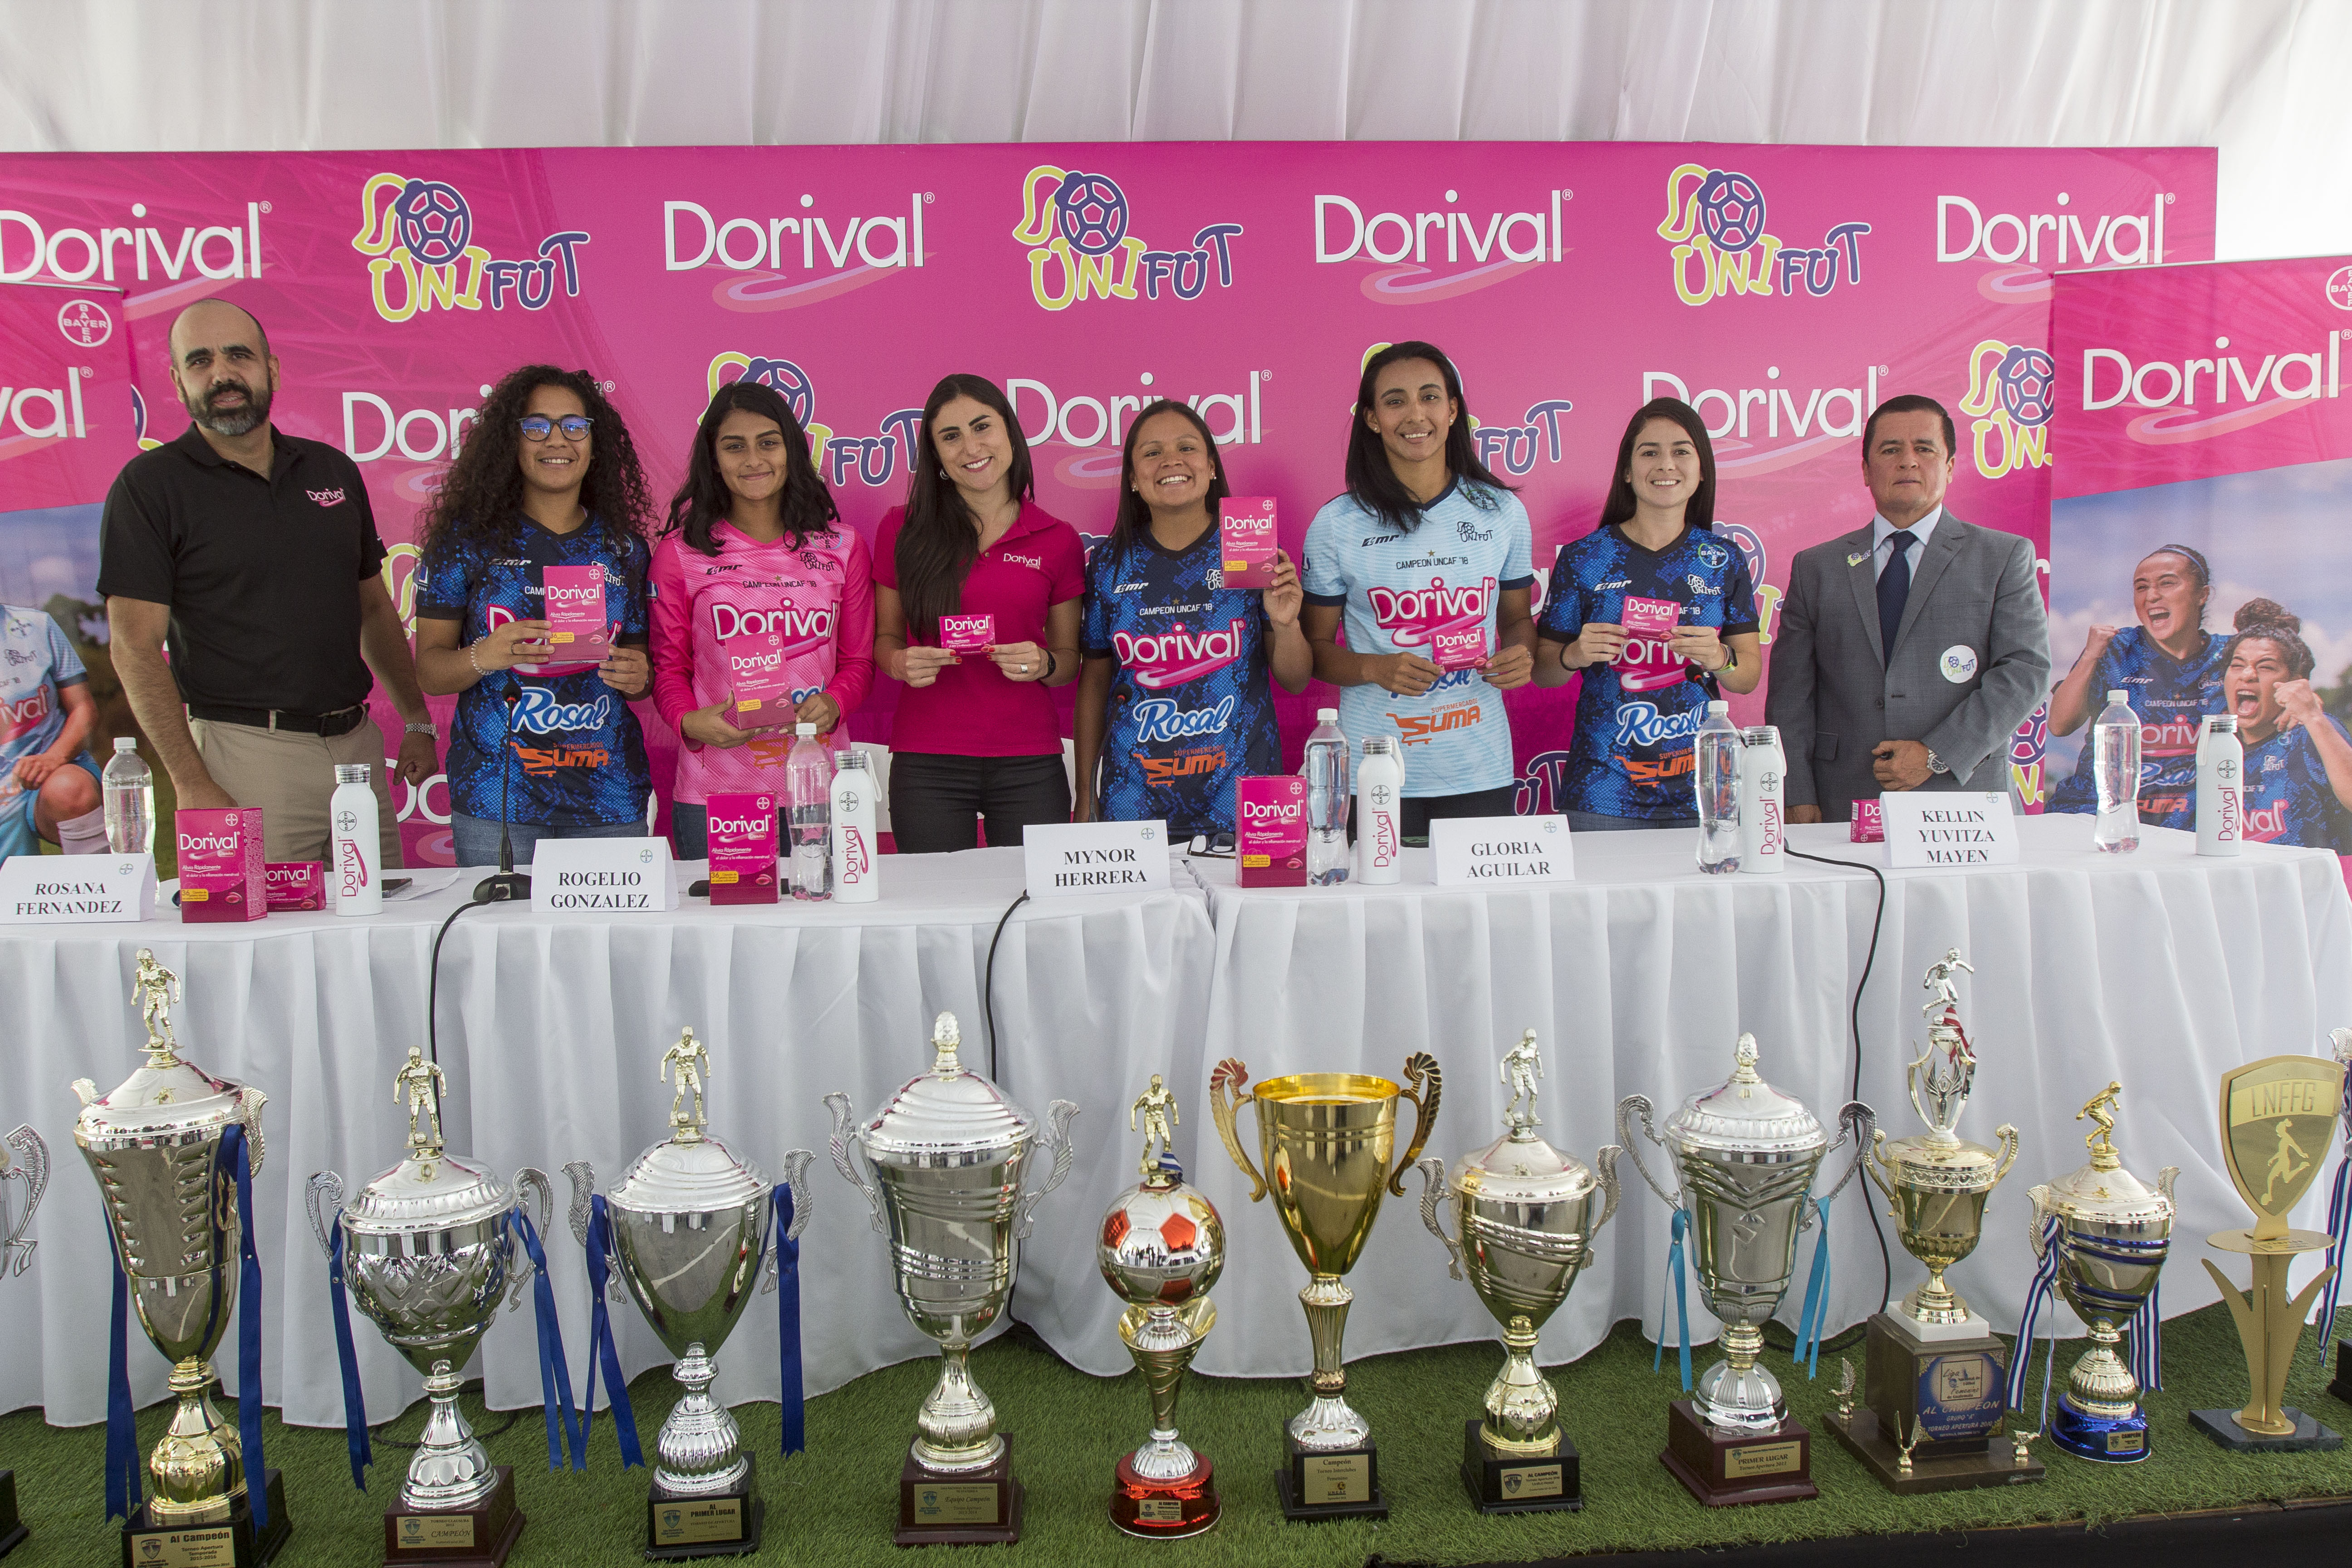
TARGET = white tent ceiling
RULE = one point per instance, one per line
(2262, 80)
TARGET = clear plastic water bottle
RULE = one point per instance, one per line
(2114, 765)
(1718, 746)
(130, 786)
(808, 810)
(1326, 772)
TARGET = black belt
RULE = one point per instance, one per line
(341, 722)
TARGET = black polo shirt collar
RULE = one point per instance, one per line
(283, 454)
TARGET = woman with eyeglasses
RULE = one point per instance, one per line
(546, 476)
(754, 550)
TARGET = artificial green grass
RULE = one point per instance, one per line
(837, 1503)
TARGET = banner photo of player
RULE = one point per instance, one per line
(2199, 560)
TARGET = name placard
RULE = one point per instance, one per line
(77, 889)
(1945, 829)
(1065, 858)
(1486, 851)
(602, 876)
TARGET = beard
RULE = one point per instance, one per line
(236, 421)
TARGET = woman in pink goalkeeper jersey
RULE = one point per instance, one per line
(762, 610)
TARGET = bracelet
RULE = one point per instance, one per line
(479, 673)
(1563, 657)
(1730, 659)
(1050, 666)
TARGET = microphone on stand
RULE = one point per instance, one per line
(509, 885)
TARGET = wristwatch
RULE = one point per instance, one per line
(422, 730)
(1936, 765)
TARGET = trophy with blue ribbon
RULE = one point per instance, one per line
(686, 1230)
(2340, 1232)
(2102, 1236)
(30, 1169)
(175, 1150)
(431, 1249)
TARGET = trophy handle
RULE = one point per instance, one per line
(1058, 1137)
(1224, 1101)
(1433, 1193)
(33, 1158)
(2164, 1180)
(1420, 1070)
(797, 1164)
(1858, 1122)
(1632, 1111)
(1604, 1165)
(323, 1198)
(1875, 1166)
(249, 1102)
(535, 1180)
(583, 1176)
(2008, 1136)
(2036, 1218)
(841, 1143)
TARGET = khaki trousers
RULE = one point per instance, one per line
(288, 776)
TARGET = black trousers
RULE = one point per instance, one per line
(937, 802)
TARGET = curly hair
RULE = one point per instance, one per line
(2266, 620)
(480, 502)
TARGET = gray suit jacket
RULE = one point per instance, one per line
(1836, 694)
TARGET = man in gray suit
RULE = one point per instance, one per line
(1907, 652)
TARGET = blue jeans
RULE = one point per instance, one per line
(475, 841)
(1596, 822)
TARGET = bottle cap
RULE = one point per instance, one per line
(1379, 745)
(351, 773)
(804, 729)
(1327, 715)
(2225, 723)
(2119, 696)
(848, 758)
(126, 742)
(1718, 705)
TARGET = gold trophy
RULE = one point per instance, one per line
(1327, 1139)
(2342, 1386)
(1936, 1370)
(2278, 1119)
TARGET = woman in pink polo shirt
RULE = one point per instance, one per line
(976, 734)
(755, 566)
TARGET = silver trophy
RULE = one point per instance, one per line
(950, 1155)
(1747, 1154)
(1525, 1215)
(430, 1254)
(690, 1223)
(154, 1144)
(30, 1169)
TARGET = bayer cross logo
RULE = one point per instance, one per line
(850, 800)
(85, 324)
(2226, 771)
(346, 820)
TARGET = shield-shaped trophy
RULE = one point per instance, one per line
(2278, 1119)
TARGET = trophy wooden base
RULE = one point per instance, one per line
(717, 1524)
(1722, 1470)
(475, 1537)
(12, 1529)
(2342, 1386)
(1951, 1468)
(959, 1508)
(1328, 1483)
(232, 1544)
(1516, 1484)
(1166, 1510)
(2309, 1435)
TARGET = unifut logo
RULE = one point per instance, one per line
(1479, 249)
(1716, 222)
(868, 460)
(2013, 393)
(41, 413)
(219, 252)
(1965, 231)
(1178, 654)
(1075, 225)
(423, 230)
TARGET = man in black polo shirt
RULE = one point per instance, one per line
(268, 591)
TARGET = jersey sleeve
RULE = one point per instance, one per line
(65, 665)
(633, 589)
(1094, 626)
(670, 621)
(1519, 555)
(1562, 616)
(445, 584)
(372, 549)
(852, 631)
(1323, 579)
(1738, 595)
(134, 544)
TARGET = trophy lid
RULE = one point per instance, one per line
(689, 1176)
(1523, 1169)
(948, 1115)
(2102, 1190)
(1745, 1115)
(165, 1097)
(429, 1190)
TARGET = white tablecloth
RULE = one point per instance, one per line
(552, 1030)
(2158, 969)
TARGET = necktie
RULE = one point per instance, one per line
(1893, 589)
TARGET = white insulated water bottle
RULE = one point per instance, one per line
(355, 851)
(2220, 787)
(1380, 803)
(857, 875)
(1763, 800)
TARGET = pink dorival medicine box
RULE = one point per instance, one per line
(742, 849)
(1458, 647)
(575, 612)
(1245, 534)
(1869, 825)
(1270, 832)
(295, 885)
(1650, 617)
(758, 680)
(967, 634)
(222, 876)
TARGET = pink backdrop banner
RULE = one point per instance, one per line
(1782, 289)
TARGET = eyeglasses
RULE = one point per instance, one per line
(536, 426)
